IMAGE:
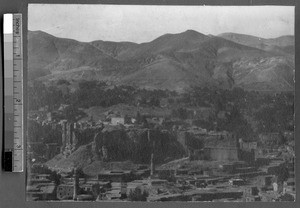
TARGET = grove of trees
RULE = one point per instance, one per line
(247, 112)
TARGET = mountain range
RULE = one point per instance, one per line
(171, 61)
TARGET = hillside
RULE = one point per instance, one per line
(49, 55)
(171, 61)
(284, 45)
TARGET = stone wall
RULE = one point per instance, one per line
(221, 154)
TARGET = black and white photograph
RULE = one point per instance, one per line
(160, 103)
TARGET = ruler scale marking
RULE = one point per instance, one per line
(13, 90)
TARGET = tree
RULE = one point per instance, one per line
(37, 93)
(72, 113)
(276, 113)
(182, 113)
(282, 174)
(236, 123)
(80, 173)
(154, 102)
(63, 81)
(138, 195)
(138, 117)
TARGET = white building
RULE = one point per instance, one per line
(117, 121)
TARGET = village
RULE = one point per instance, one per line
(211, 166)
(160, 103)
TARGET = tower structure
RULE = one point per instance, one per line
(64, 135)
(69, 137)
(76, 183)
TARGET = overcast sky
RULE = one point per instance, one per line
(145, 23)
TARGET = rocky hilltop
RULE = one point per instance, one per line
(115, 143)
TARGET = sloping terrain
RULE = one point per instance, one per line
(172, 61)
(80, 158)
(284, 45)
(49, 55)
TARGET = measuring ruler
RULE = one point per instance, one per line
(13, 93)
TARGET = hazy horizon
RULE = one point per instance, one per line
(156, 37)
(139, 24)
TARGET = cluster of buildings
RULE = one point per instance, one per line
(228, 176)
(181, 185)
(236, 170)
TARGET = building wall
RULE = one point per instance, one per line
(218, 195)
(182, 138)
(221, 154)
(270, 139)
(113, 178)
